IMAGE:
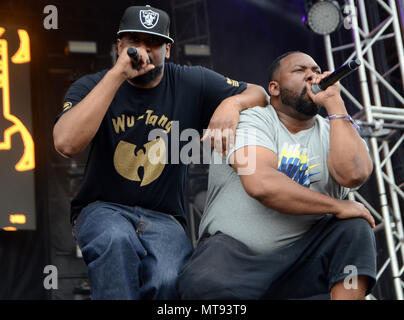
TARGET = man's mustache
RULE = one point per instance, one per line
(303, 93)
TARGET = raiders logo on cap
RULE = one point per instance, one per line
(148, 18)
(145, 19)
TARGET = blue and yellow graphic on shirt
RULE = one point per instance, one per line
(293, 162)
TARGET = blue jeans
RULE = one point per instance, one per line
(131, 252)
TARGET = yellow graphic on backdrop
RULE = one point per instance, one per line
(27, 161)
(23, 54)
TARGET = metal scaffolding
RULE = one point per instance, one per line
(382, 121)
(191, 31)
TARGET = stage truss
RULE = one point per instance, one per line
(381, 121)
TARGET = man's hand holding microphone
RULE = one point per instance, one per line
(133, 62)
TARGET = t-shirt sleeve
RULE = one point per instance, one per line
(255, 128)
(77, 92)
(216, 88)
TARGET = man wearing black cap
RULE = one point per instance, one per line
(128, 217)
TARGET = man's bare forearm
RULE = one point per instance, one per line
(291, 198)
(277, 191)
(282, 194)
(348, 161)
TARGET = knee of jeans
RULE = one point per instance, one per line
(166, 279)
(119, 236)
(196, 285)
(357, 228)
(161, 283)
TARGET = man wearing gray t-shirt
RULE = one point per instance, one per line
(275, 223)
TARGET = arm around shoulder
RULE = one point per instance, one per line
(254, 95)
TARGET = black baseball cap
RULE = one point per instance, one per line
(146, 19)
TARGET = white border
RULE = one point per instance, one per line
(145, 31)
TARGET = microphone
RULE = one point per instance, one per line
(132, 52)
(337, 75)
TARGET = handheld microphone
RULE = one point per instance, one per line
(337, 75)
(132, 52)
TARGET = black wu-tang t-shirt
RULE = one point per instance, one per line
(124, 165)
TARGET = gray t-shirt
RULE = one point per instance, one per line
(301, 156)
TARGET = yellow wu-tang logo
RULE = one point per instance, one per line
(67, 106)
(233, 83)
(127, 163)
(23, 55)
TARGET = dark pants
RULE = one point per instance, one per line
(333, 250)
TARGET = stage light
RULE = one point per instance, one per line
(10, 229)
(324, 17)
(87, 47)
(197, 50)
(18, 219)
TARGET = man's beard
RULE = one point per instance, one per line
(148, 77)
(299, 103)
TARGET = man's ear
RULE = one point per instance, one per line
(168, 50)
(273, 88)
(119, 46)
